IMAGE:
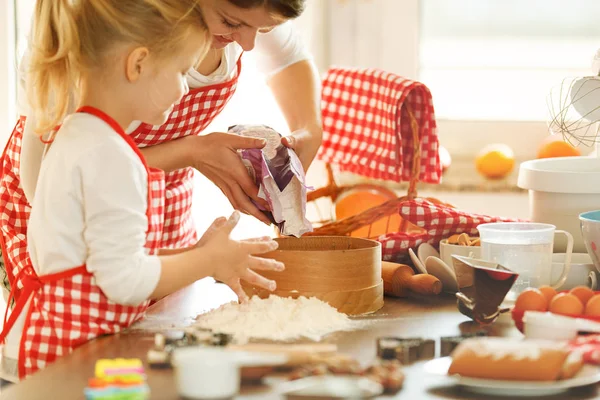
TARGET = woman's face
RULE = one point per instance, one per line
(228, 23)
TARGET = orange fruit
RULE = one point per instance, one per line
(554, 146)
(548, 292)
(495, 161)
(584, 293)
(566, 303)
(592, 307)
(531, 300)
(362, 198)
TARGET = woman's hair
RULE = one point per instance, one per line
(69, 36)
(286, 8)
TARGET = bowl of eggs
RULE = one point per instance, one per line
(579, 302)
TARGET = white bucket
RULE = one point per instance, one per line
(559, 190)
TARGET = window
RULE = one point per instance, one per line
(7, 68)
(499, 59)
(489, 63)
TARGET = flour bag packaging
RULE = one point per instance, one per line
(279, 175)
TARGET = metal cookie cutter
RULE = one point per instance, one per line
(405, 350)
(449, 343)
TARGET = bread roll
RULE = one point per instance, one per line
(514, 359)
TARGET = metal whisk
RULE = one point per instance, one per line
(574, 108)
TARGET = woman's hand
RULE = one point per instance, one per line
(216, 157)
(305, 143)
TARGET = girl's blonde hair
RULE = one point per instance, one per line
(71, 35)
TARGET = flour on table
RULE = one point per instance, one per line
(276, 318)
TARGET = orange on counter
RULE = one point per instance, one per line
(549, 292)
(592, 308)
(531, 300)
(555, 146)
(495, 161)
(584, 293)
(362, 198)
(566, 303)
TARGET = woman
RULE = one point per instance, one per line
(177, 146)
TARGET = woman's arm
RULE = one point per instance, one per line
(295, 83)
(215, 156)
(297, 91)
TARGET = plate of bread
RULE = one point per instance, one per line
(515, 367)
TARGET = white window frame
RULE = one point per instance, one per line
(359, 32)
(7, 69)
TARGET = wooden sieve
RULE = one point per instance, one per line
(342, 271)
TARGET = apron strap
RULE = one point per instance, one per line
(31, 284)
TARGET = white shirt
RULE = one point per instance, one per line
(90, 208)
(275, 51)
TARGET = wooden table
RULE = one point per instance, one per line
(424, 317)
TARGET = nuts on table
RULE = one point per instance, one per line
(463, 240)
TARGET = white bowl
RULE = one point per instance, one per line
(559, 190)
(449, 250)
(590, 230)
(582, 273)
(546, 325)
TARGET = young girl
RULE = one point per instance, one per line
(184, 144)
(98, 208)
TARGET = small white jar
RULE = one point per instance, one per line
(206, 373)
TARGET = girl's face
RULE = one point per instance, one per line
(164, 84)
(228, 23)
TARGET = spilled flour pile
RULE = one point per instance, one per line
(276, 318)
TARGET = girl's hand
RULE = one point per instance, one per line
(237, 260)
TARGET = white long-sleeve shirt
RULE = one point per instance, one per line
(274, 51)
(90, 208)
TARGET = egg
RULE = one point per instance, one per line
(583, 292)
(566, 303)
(592, 308)
(531, 300)
(548, 292)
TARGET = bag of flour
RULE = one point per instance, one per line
(280, 178)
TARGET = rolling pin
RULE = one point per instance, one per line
(400, 279)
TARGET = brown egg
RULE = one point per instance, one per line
(566, 303)
(548, 292)
(531, 300)
(583, 292)
(592, 308)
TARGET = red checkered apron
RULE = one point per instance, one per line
(366, 128)
(190, 116)
(67, 309)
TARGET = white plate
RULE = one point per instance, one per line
(332, 387)
(588, 375)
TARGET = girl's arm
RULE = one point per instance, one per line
(32, 149)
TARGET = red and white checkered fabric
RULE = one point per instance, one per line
(14, 209)
(439, 221)
(366, 128)
(589, 346)
(68, 309)
(194, 112)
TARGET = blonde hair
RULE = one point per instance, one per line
(71, 35)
